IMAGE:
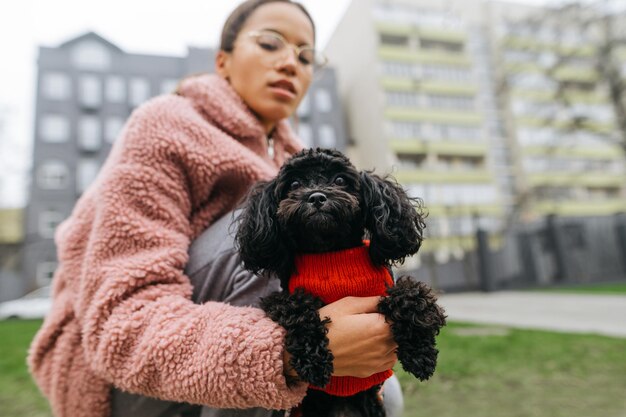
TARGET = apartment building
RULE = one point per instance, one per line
(431, 95)
(86, 89)
(559, 114)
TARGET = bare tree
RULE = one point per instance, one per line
(595, 26)
(572, 50)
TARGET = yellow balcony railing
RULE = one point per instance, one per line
(568, 96)
(432, 176)
(11, 230)
(451, 36)
(464, 210)
(581, 207)
(561, 73)
(440, 87)
(575, 179)
(438, 147)
(590, 125)
(424, 56)
(531, 44)
(587, 152)
(436, 116)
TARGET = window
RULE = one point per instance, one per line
(139, 91)
(91, 55)
(440, 101)
(54, 128)
(45, 272)
(48, 222)
(89, 133)
(323, 100)
(393, 40)
(168, 86)
(399, 69)
(86, 173)
(403, 99)
(411, 161)
(90, 91)
(56, 86)
(405, 130)
(112, 128)
(115, 89)
(437, 45)
(306, 134)
(327, 136)
(52, 175)
(446, 73)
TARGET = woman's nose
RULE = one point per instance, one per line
(288, 60)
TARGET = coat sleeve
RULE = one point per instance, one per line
(140, 330)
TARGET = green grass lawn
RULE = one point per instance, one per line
(490, 371)
(18, 395)
(483, 372)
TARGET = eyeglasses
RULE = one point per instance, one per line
(274, 43)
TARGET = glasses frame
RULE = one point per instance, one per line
(319, 59)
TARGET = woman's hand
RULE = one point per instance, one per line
(359, 338)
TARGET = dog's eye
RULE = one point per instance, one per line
(340, 181)
(294, 185)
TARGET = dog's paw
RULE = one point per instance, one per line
(415, 318)
(306, 339)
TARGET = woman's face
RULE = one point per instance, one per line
(271, 83)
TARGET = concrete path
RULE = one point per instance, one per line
(573, 313)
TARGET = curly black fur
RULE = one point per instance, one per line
(278, 221)
(395, 222)
(306, 339)
(318, 203)
(363, 404)
(416, 319)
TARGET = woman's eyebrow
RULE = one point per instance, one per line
(278, 32)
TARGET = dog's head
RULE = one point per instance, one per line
(318, 203)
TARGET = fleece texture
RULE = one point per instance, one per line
(335, 275)
(122, 313)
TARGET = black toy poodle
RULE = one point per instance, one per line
(329, 231)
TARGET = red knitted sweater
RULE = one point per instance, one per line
(335, 275)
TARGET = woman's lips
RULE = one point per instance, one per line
(283, 88)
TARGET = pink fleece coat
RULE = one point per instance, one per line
(122, 313)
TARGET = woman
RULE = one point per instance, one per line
(123, 315)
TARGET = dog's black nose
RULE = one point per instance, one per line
(317, 199)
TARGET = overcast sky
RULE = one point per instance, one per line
(136, 26)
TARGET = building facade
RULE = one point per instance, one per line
(431, 96)
(86, 89)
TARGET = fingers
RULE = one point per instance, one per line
(362, 344)
(351, 305)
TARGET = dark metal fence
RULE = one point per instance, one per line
(554, 251)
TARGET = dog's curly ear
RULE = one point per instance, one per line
(258, 235)
(395, 221)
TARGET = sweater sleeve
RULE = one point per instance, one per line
(140, 330)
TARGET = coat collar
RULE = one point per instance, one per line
(220, 104)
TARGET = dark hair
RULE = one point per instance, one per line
(240, 15)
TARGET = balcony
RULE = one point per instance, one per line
(574, 179)
(581, 208)
(404, 175)
(418, 84)
(430, 57)
(435, 116)
(587, 152)
(438, 147)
